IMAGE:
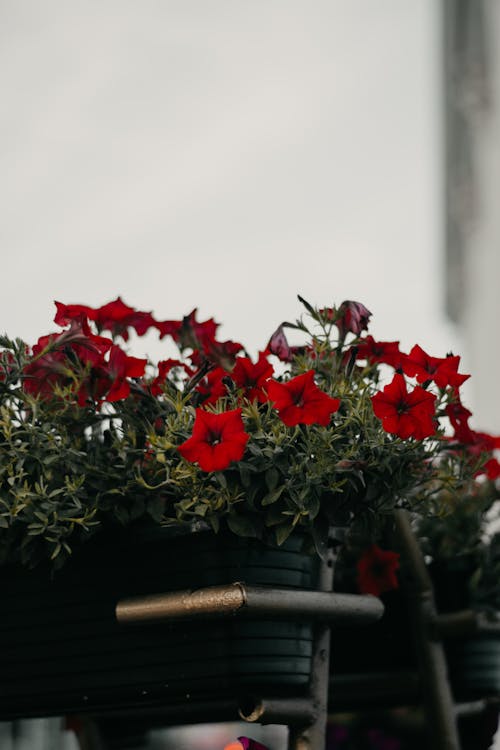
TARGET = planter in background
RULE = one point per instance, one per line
(474, 665)
(473, 661)
(63, 651)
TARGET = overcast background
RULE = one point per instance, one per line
(227, 155)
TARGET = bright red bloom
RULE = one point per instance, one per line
(300, 401)
(491, 468)
(386, 352)
(41, 376)
(118, 369)
(70, 351)
(118, 317)
(200, 337)
(481, 444)
(221, 353)
(169, 328)
(188, 332)
(252, 377)
(459, 418)
(217, 440)
(212, 387)
(442, 370)
(67, 313)
(405, 414)
(108, 381)
(377, 571)
(115, 316)
(352, 317)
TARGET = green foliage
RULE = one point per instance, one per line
(462, 532)
(69, 468)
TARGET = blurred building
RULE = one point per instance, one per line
(472, 185)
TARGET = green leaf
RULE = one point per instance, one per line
(271, 476)
(156, 508)
(245, 476)
(271, 497)
(241, 525)
(221, 479)
(282, 532)
(310, 309)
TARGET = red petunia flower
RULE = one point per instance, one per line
(386, 352)
(200, 337)
(480, 444)
(377, 571)
(67, 313)
(252, 377)
(279, 346)
(109, 381)
(459, 418)
(212, 386)
(442, 370)
(405, 414)
(491, 469)
(188, 332)
(115, 316)
(217, 440)
(118, 317)
(352, 317)
(300, 401)
(70, 351)
(221, 353)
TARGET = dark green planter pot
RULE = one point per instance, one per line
(474, 665)
(474, 661)
(64, 652)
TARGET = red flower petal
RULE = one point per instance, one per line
(217, 440)
(300, 401)
(405, 414)
(377, 571)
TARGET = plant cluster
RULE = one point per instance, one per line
(461, 535)
(338, 430)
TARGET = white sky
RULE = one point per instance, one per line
(226, 155)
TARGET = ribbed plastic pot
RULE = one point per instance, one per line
(473, 661)
(64, 652)
(474, 665)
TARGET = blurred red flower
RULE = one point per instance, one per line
(442, 370)
(377, 571)
(252, 377)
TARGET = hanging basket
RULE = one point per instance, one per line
(64, 651)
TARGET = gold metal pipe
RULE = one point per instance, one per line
(213, 600)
